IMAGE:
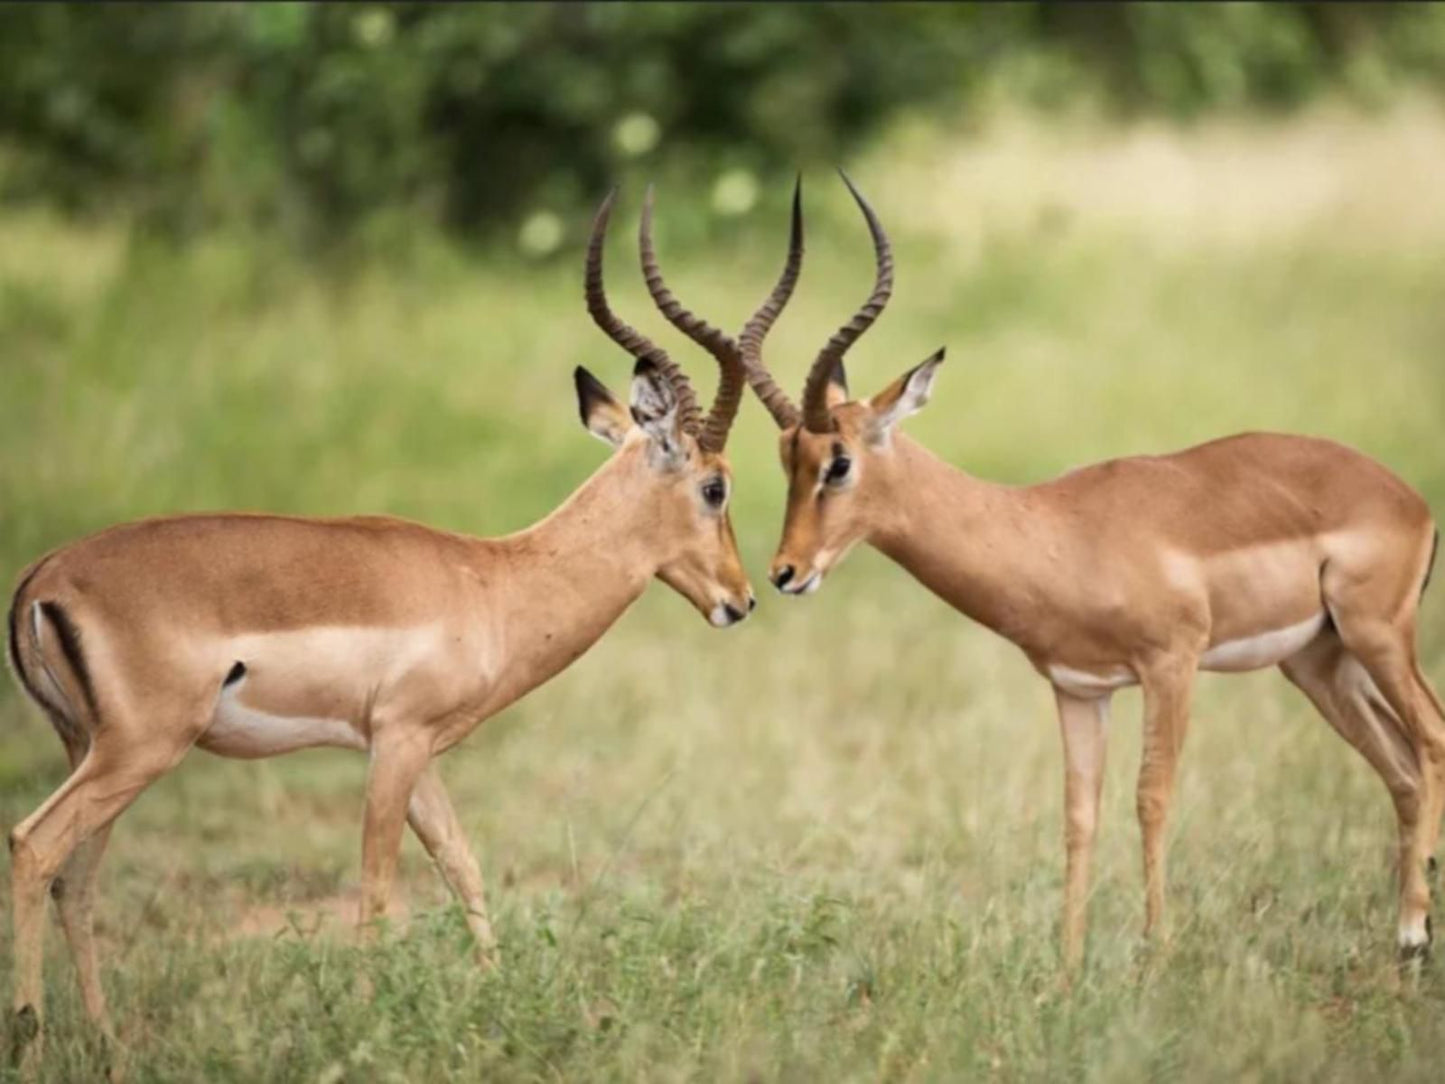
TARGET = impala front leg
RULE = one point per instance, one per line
(1083, 726)
(1166, 719)
(397, 761)
(432, 817)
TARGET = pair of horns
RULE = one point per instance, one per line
(711, 432)
(740, 359)
(815, 415)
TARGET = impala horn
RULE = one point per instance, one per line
(737, 358)
(816, 417)
(630, 339)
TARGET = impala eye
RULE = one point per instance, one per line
(714, 492)
(838, 470)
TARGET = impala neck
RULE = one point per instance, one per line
(556, 587)
(975, 544)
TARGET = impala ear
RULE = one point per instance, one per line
(654, 409)
(603, 416)
(904, 396)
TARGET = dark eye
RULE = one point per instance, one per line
(838, 470)
(714, 492)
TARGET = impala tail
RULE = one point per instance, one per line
(50, 663)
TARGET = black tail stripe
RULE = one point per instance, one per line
(14, 621)
(1430, 565)
(69, 637)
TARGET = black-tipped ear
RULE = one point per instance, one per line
(602, 415)
(904, 396)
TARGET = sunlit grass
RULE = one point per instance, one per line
(825, 845)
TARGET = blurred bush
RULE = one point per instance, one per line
(317, 119)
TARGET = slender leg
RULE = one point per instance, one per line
(74, 892)
(435, 823)
(397, 760)
(1340, 687)
(1166, 719)
(96, 792)
(1386, 651)
(1083, 724)
(1431, 699)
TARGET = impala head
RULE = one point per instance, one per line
(837, 452)
(670, 453)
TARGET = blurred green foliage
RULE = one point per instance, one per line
(318, 119)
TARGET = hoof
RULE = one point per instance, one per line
(1411, 953)
(1416, 952)
(26, 1028)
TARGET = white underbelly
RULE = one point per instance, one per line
(238, 730)
(1230, 656)
(1265, 649)
(311, 687)
(1090, 684)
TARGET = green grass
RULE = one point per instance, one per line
(826, 845)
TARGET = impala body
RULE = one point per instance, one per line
(1251, 551)
(253, 635)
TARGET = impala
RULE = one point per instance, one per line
(254, 635)
(1251, 551)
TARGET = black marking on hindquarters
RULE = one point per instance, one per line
(238, 671)
(1430, 565)
(69, 637)
(1432, 869)
(57, 889)
(14, 622)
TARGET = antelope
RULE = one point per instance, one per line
(1250, 551)
(255, 635)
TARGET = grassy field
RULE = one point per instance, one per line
(826, 845)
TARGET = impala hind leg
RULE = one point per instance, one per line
(435, 823)
(397, 762)
(1386, 651)
(107, 780)
(1431, 699)
(73, 891)
(1167, 687)
(1083, 724)
(1341, 688)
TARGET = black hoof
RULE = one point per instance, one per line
(1412, 954)
(27, 1026)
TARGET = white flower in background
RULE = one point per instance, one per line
(735, 192)
(541, 234)
(636, 134)
(373, 27)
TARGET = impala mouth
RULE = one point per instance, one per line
(725, 613)
(806, 586)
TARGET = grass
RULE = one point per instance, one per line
(826, 845)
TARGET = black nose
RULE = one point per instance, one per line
(782, 577)
(734, 614)
(752, 603)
